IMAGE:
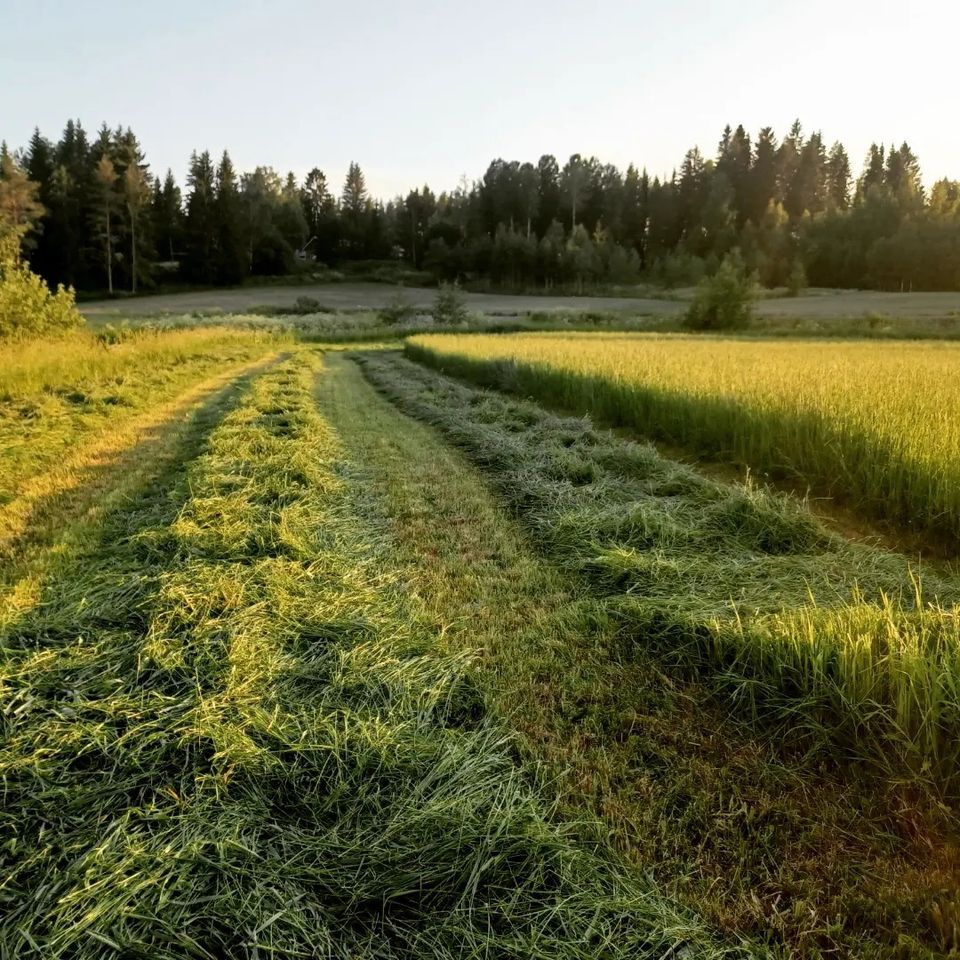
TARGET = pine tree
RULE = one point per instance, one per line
(106, 179)
(528, 189)
(136, 196)
(136, 187)
(573, 182)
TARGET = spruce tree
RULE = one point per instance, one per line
(548, 193)
(838, 178)
(763, 175)
(200, 225)
(167, 218)
(353, 208)
(231, 261)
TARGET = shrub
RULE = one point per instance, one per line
(397, 310)
(307, 305)
(723, 301)
(449, 309)
(27, 307)
(109, 335)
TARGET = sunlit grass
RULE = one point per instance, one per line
(756, 837)
(855, 644)
(88, 361)
(58, 396)
(872, 424)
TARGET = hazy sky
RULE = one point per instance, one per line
(428, 91)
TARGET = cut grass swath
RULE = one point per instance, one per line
(226, 733)
(793, 622)
(56, 395)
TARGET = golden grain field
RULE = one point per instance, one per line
(874, 424)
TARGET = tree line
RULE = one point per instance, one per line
(99, 219)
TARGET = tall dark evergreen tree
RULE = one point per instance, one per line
(320, 212)
(167, 218)
(41, 243)
(763, 175)
(136, 189)
(353, 209)
(548, 193)
(838, 178)
(574, 179)
(734, 161)
(291, 221)
(200, 223)
(874, 172)
(231, 249)
(74, 198)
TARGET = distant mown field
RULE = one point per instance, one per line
(818, 304)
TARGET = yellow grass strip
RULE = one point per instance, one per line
(114, 462)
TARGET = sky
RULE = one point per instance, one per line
(422, 91)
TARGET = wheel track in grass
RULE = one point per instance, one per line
(804, 854)
(114, 461)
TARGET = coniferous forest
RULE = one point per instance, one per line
(98, 218)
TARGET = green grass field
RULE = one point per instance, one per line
(314, 651)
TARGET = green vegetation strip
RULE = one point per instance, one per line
(228, 731)
(794, 623)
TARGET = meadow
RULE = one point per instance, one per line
(309, 649)
(870, 425)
